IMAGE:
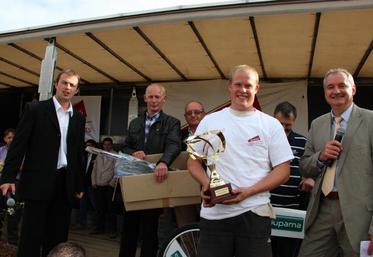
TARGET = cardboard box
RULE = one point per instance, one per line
(143, 192)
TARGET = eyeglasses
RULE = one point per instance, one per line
(195, 112)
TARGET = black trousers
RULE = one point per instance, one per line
(144, 223)
(45, 223)
(104, 206)
(245, 235)
(285, 247)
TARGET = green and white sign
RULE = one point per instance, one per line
(176, 254)
(288, 223)
(175, 250)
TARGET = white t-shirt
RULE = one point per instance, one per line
(255, 142)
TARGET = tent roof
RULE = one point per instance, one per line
(281, 39)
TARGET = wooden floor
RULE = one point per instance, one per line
(95, 245)
(103, 246)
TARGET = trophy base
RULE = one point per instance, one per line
(221, 193)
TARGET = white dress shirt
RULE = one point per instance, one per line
(63, 121)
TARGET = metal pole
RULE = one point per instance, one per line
(47, 71)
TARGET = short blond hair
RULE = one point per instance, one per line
(244, 67)
(162, 88)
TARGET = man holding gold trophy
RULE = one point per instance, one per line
(247, 154)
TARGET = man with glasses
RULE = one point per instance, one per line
(194, 113)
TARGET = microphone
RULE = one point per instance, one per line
(338, 137)
(10, 202)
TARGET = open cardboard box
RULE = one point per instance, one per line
(143, 192)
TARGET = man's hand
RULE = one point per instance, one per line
(139, 155)
(8, 187)
(306, 185)
(241, 194)
(79, 195)
(94, 186)
(331, 151)
(206, 197)
(161, 172)
(370, 246)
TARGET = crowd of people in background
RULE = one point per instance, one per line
(43, 165)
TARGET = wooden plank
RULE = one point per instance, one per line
(95, 245)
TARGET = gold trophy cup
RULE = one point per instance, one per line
(207, 147)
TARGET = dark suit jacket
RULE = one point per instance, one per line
(184, 135)
(355, 176)
(37, 141)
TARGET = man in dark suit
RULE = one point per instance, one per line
(50, 142)
(153, 132)
(340, 212)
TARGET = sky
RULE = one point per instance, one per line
(20, 14)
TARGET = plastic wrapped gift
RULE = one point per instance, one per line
(126, 165)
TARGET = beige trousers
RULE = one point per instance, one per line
(327, 236)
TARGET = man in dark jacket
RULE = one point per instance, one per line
(151, 133)
(49, 141)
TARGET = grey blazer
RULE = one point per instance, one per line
(355, 176)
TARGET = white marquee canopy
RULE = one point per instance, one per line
(281, 39)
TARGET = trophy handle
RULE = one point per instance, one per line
(214, 174)
(215, 179)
